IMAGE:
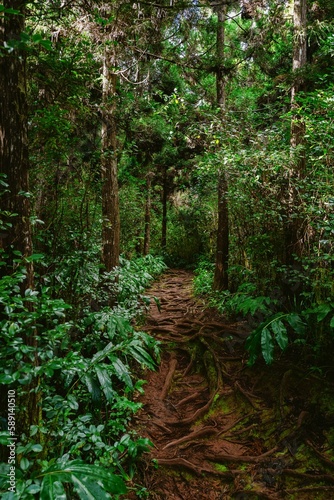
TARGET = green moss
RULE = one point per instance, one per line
(221, 467)
(220, 405)
(211, 372)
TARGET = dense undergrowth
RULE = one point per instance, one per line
(302, 322)
(73, 375)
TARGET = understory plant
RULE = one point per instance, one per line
(305, 321)
(73, 378)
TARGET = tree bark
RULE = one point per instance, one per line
(294, 224)
(147, 230)
(220, 281)
(164, 210)
(14, 164)
(110, 196)
(14, 158)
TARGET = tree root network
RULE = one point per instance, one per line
(215, 436)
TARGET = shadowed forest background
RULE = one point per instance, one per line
(136, 136)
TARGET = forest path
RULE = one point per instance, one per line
(220, 429)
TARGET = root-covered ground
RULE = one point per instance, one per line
(223, 430)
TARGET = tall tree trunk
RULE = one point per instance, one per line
(164, 210)
(14, 159)
(147, 229)
(14, 164)
(110, 197)
(220, 281)
(294, 224)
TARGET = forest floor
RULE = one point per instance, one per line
(221, 429)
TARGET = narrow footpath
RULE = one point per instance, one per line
(220, 429)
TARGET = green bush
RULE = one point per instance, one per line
(79, 369)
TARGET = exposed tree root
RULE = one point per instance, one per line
(195, 434)
(245, 495)
(222, 457)
(324, 459)
(169, 378)
(189, 398)
(247, 395)
(231, 426)
(201, 411)
(310, 489)
(213, 445)
(305, 475)
(180, 462)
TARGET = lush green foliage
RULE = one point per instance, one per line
(81, 369)
(68, 347)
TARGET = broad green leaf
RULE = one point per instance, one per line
(322, 311)
(36, 38)
(122, 372)
(4, 437)
(267, 346)
(35, 257)
(24, 463)
(84, 477)
(280, 333)
(105, 381)
(47, 44)
(112, 483)
(331, 324)
(72, 402)
(33, 489)
(9, 10)
(99, 356)
(253, 345)
(52, 488)
(93, 387)
(296, 323)
(6, 379)
(88, 489)
(141, 355)
(37, 448)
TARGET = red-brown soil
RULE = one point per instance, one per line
(221, 429)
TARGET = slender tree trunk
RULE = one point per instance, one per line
(164, 211)
(147, 230)
(294, 224)
(220, 281)
(110, 197)
(299, 61)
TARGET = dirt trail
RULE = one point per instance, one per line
(222, 430)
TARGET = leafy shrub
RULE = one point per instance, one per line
(79, 369)
(203, 280)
